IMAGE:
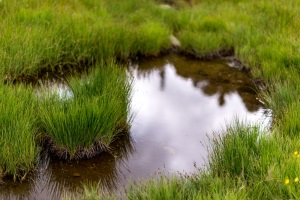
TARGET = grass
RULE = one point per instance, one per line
(39, 36)
(246, 163)
(85, 123)
(238, 152)
(89, 192)
(52, 35)
(189, 187)
(18, 133)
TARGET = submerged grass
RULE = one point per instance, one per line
(88, 120)
(89, 192)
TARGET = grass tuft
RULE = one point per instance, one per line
(18, 133)
(85, 123)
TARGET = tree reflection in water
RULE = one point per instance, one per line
(211, 77)
(177, 101)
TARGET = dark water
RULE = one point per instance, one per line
(176, 102)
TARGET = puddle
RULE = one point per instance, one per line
(177, 102)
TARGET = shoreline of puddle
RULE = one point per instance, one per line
(178, 102)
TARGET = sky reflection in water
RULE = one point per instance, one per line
(176, 102)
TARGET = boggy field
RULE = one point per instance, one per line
(43, 37)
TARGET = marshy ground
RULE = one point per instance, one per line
(58, 36)
(160, 129)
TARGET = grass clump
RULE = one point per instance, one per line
(86, 122)
(204, 44)
(238, 152)
(18, 133)
(152, 38)
(89, 191)
(244, 164)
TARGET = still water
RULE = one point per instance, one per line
(177, 103)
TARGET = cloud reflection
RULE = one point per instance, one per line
(177, 102)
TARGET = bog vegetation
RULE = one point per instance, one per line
(39, 37)
(83, 122)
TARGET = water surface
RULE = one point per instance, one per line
(177, 102)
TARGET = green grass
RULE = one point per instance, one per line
(85, 123)
(18, 133)
(244, 163)
(52, 35)
(88, 192)
(189, 187)
(39, 36)
(238, 152)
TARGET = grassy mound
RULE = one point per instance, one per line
(86, 122)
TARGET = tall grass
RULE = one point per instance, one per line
(54, 34)
(90, 191)
(86, 123)
(243, 164)
(283, 99)
(51, 35)
(237, 152)
(105, 80)
(18, 133)
(188, 187)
